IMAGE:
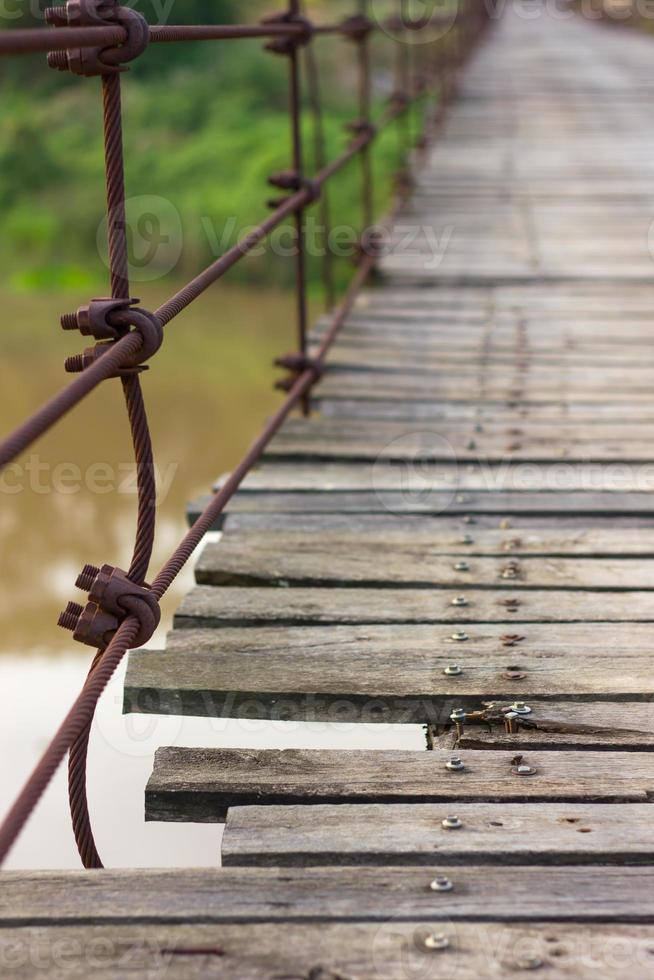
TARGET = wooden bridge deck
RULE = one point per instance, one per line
(465, 524)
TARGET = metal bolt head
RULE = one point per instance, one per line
(454, 670)
(436, 941)
(455, 764)
(467, 539)
(462, 566)
(451, 823)
(458, 715)
(523, 770)
(460, 636)
(441, 885)
(521, 708)
(460, 601)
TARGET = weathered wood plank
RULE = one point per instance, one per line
(345, 439)
(510, 833)
(407, 387)
(313, 567)
(213, 607)
(408, 478)
(317, 895)
(499, 413)
(282, 557)
(434, 503)
(397, 674)
(463, 521)
(199, 785)
(334, 951)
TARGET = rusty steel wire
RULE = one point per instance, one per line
(127, 335)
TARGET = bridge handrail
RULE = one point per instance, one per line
(97, 37)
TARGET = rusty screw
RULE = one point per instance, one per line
(87, 577)
(69, 618)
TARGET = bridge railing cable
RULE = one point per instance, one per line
(98, 38)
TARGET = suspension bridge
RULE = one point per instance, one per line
(454, 532)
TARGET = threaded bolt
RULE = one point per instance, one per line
(58, 60)
(74, 364)
(56, 15)
(87, 577)
(69, 618)
(69, 321)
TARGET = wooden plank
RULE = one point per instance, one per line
(212, 607)
(565, 725)
(316, 895)
(199, 785)
(491, 833)
(273, 558)
(343, 439)
(320, 511)
(314, 567)
(497, 412)
(408, 387)
(464, 521)
(396, 674)
(334, 951)
(434, 503)
(398, 476)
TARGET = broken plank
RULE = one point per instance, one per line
(490, 833)
(383, 674)
(199, 785)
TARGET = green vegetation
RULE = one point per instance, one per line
(205, 124)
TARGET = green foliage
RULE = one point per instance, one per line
(204, 125)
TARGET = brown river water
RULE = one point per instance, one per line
(70, 500)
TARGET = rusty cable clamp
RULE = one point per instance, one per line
(357, 28)
(297, 364)
(108, 320)
(289, 45)
(89, 62)
(112, 598)
(292, 182)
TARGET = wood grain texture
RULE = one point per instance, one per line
(395, 476)
(325, 439)
(314, 566)
(378, 674)
(325, 951)
(317, 895)
(438, 502)
(199, 785)
(213, 607)
(508, 833)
